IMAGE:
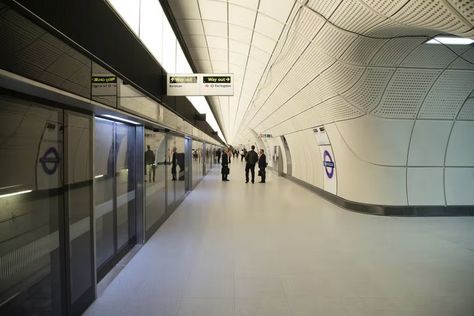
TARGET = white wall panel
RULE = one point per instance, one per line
(428, 143)
(425, 186)
(212, 10)
(241, 16)
(276, 9)
(461, 145)
(377, 141)
(315, 158)
(364, 182)
(459, 186)
(268, 26)
(285, 161)
(448, 94)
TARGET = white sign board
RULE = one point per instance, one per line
(200, 84)
(321, 136)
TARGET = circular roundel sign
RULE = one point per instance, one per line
(328, 164)
(50, 161)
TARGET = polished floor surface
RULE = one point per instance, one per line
(278, 249)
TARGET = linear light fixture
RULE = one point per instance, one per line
(446, 40)
(120, 119)
(15, 193)
(99, 176)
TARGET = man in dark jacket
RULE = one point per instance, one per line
(262, 164)
(174, 163)
(218, 155)
(251, 159)
(225, 165)
(150, 164)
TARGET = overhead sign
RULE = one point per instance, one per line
(200, 84)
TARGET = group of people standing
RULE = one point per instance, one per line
(251, 160)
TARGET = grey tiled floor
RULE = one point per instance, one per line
(277, 249)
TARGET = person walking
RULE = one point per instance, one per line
(251, 159)
(150, 164)
(262, 164)
(225, 165)
(244, 153)
(218, 154)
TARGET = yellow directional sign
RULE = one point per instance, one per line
(183, 79)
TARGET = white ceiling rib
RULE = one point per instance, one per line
(297, 63)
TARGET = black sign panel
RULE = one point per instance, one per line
(104, 79)
(216, 79)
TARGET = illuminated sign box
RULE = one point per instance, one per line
(200, 84)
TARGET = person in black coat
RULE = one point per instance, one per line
(174, 163)
(251, 159)
(262, 164)
(225, 165)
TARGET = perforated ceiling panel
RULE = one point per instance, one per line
(368, 91)
(302, 63)
(447, 95)
(405, 93)
(467, 111)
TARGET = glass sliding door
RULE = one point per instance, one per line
(115, 186)
(79, 202)
(125, 177)
(177, 174)
(197, 161)
(31, 208)
(155, 180)
(46, 248)
(104, 165)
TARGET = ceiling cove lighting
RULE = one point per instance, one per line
(120, 119)
(450, 40)
(15, 193)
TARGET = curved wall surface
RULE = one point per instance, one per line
(398, 112)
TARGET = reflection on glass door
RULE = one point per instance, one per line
(176, 174)
(197, 161)
(78, 180)
(188, 163)
(155, 180)
(46, 251)
(115, 184)
(31, 142)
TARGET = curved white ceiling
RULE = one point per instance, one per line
(298, 64)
